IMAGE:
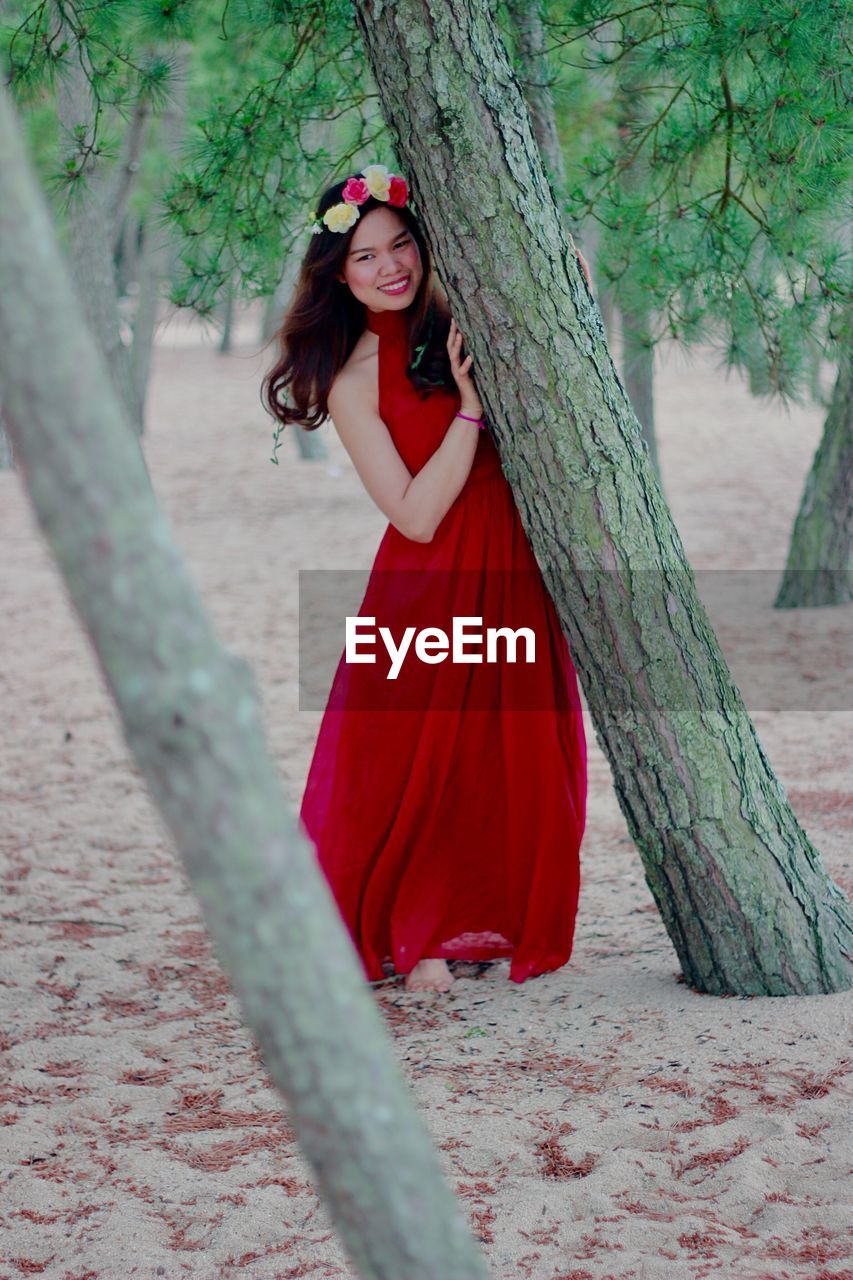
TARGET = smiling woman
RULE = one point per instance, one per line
(447, 806)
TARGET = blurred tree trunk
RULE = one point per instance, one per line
(7, 459)
(157, 251)
(191, 717)
(529, 41)
(97, 201)
(226, 318)
(638, 351)
(819, 570)
(310, 445)
(97, 214)
(741, 889)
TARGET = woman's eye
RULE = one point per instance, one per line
(396, 246)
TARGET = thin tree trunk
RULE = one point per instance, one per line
(95, 212)
(819, 570)
(310, 445)
(152, 266)
(638, 352)
(603, 290)
(191, 716)
(7, 458)
(226, 315)
(529, 39)
(530, 49)
(741, 889)
(156, 257)
(638, 372)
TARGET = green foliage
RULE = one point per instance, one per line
(281, 107)
(718, 168)
(128, 52)
(710, 143)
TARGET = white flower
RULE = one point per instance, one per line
(378, 179)
(341, 216)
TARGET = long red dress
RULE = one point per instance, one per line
(447, 806)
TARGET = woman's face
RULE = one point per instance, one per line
(382, 252)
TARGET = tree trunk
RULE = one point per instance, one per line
(741, 889)
(7, 459)
(638, 371)
(820, 558)
(530, 51)
(310, 445)
(151, 266)
(638, 352)
(157, 254)
(95, 212)
(191, 717)
(226, 316)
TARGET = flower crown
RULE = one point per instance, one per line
(376, 181)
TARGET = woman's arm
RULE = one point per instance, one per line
(415, 504)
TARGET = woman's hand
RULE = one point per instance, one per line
(584, 266)
(462, 374)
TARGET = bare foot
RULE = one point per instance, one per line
(430, 975)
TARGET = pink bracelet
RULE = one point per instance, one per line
(481, 422)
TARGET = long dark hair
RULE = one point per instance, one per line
(324, 320)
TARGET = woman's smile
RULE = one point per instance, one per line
(396, 286)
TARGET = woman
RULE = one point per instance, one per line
(447, 806)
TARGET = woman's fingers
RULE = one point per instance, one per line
(454, 342)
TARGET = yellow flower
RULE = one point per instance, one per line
(378, 179)
(340, 217)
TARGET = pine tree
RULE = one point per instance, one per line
(191, 716)
(740, 887)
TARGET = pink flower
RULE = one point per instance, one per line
(398, 192)
(355, 191)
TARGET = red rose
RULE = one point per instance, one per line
(398, 192)
(355, 191)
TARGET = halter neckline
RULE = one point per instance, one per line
(387, 324)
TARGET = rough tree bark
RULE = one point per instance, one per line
(741, 889)
(192, 721)
(819, 569)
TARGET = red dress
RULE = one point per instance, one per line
(447, 806)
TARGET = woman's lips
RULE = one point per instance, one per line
(399, 288)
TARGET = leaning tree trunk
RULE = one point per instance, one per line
(741, 889)
(191, 717)
(820, 558)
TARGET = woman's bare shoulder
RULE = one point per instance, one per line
(357, 377)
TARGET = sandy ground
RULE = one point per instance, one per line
(600, 1121)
